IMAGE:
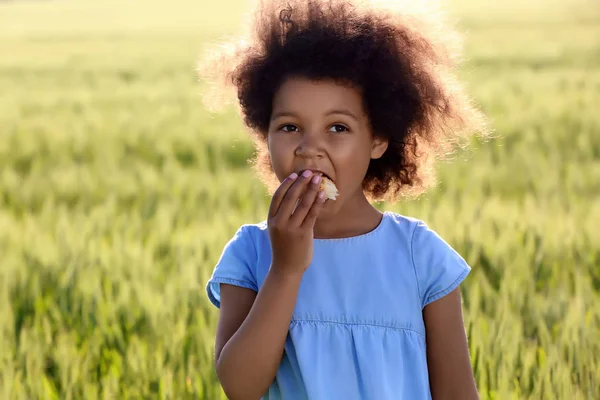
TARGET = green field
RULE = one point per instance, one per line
(118, 192)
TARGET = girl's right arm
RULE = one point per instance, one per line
(251, 346)
(253, 327)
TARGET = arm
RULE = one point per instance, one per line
(251, 334)
(450, 372)
(253, 327)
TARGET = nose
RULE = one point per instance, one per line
(309, 146)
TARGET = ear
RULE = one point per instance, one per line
(379, 147)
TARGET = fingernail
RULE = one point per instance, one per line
(293, 176)
(307, 173)
(321, 195)
(316, 178)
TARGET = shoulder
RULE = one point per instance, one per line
(237, 264)
(252, 239)
(409, 227)
(420, 234)
(437, 266)
(251, 231)
(244, 242)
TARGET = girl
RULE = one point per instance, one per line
(332, 299)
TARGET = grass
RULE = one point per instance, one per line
(118, 192)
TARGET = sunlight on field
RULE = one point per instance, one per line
(118, 192)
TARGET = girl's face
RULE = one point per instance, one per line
(322, 126)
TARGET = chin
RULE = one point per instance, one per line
(330, 207)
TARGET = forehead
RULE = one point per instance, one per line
(316, 97)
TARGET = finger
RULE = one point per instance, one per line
(313, 213)
(306, 201)
(286, 208)
(280, 193)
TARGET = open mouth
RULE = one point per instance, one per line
(327, 184)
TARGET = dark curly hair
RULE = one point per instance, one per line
(401, 61)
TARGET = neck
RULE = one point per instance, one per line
(355, 216)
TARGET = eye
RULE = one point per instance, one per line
(289, 128)
(337, 128)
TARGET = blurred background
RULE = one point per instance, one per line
(118, 192)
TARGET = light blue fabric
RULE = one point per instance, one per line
(357, 331)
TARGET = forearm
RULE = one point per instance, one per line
(249, 361)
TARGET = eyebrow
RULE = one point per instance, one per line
(332, 112)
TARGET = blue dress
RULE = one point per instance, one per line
(357, 331)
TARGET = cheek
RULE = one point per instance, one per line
(281, 153)
(351, 163)
(352, 155)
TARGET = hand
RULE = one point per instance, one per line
(294, 209)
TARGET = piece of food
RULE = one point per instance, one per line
(328, 187)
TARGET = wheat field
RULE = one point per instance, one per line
(118, 192)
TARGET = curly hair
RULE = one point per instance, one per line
(401, 60)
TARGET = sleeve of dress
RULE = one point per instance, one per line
(236, 266)
(438, 267)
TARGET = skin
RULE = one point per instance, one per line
(323, 126)
(319, 126)
(450, 373)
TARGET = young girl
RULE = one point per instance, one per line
(332, 299)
